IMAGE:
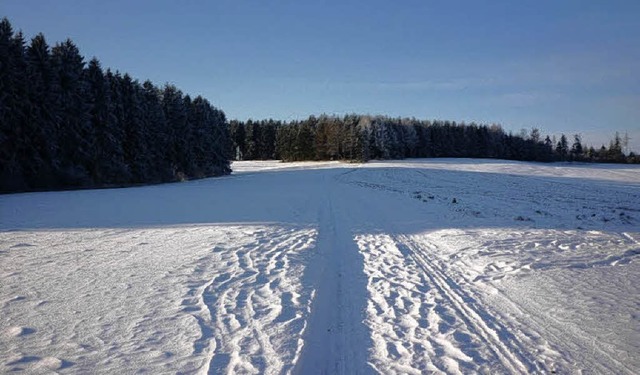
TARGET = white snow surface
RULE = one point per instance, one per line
(445, 266)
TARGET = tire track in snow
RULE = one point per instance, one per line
(412, 330)
(509, 352)
(461, 333)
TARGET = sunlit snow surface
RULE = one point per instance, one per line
(414, 266)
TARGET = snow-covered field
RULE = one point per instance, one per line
(412, 267)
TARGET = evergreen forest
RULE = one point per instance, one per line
(66, 123)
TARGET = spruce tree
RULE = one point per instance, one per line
(76, 136)
(176, 117)
(238, 136)
(562, 148)
(576, 148)
(158, 134)
(135, 132)
(13, 108)
(43, 115)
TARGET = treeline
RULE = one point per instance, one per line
(65, 123)
(362, 138)
(68, 124)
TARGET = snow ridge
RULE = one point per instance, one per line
(255, 304)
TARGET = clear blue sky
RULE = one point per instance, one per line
(562, 66)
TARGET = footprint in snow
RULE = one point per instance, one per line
(17, 331)
(35, 362)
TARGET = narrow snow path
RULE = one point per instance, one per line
(336, 339)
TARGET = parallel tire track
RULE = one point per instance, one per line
(513, 355)
(509, 352)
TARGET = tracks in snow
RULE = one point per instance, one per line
(250, 311)
(422, 321)
(498, 340)
(166, 291)
(419, 319)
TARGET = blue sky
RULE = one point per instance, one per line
(562, 66)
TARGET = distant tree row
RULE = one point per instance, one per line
(612, 154)
(67, 124)
(361, 138)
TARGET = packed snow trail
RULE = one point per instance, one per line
(408, 267)
(336, 340)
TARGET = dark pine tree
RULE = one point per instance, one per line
(108, 165)
(577, 149)
(42, 117)
(176, 117)
(238, 136)
(136, 153)
(13, 108)
(158, 134)
(76, 136)
(562, 148)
